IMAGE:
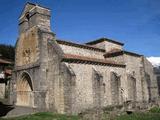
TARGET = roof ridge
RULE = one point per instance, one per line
(31, 3)
(120, 52)
(35, 4)
(104, 39)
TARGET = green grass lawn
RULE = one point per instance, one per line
(43, 116)
(140, 116)
(152, 114)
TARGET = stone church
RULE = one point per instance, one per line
(66, 77)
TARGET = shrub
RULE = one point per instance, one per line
(155, 110)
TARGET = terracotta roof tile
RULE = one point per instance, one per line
(79, 45)
(132, 53)
(117, 52)
(89, 60)
(2, 61)
(104, 39)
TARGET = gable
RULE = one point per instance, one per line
(27, 8)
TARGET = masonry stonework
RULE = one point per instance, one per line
(65, 77)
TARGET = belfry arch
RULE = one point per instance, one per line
(24, 89)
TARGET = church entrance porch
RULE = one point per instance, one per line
(24, 90)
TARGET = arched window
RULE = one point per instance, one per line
(27, 16)
(148, 80)
(24, 90)
(158, 82)
(132, 87)
(97, 88)
(115, 88)
(104, 87)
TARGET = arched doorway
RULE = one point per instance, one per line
(115, 88)
(24, 90)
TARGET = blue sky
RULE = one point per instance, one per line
(134, 22)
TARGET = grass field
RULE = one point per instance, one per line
(43, 116)
(153, 114)
(140, 116)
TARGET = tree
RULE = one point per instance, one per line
(7, 51)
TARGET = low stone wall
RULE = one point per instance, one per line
(111, 112)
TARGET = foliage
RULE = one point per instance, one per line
(112, 108)
(52, 116)
(155, 110)
(108, 108)
(7, 51)
(140, 116)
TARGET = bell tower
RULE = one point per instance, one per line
(34, 15)
(29, 87)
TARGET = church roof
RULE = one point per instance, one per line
(112, 53)
(89, 60)
(79, 45)
(102, 40)
(3, 61)
(117, 52)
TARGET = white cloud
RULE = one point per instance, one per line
(154, 60)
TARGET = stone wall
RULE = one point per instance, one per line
(54, 74)
(157, 73)
(108, 46)
(37, 70)
(117, 59)
(27, 51)
(84, 92)
(81, 51)
(73, 87)
(158, 81)
(2, 90)
(133, 64)
(100, 45)
(132, 71)
(151, 78)
(33, 15)
(41, 18)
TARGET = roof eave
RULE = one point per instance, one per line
(102, 40)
